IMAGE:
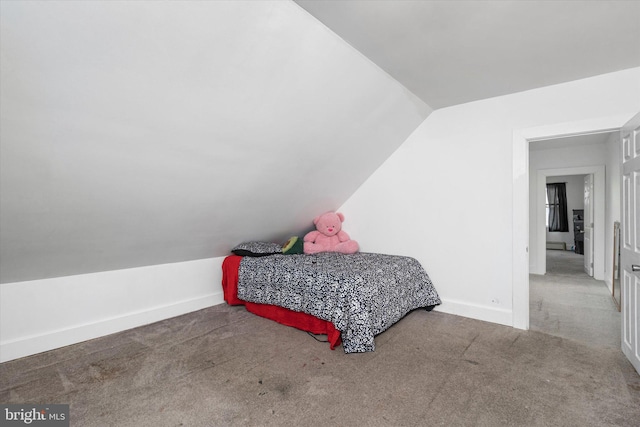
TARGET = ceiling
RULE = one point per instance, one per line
(453, 52)
(571, 141)
(144, 133)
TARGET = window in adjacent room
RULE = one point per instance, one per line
(557, 219)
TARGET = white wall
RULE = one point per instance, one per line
(574, 185)
(44, 314)
(142, 140)
(161, 134)
(448, 196)
(454, 196)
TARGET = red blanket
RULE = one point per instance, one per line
(303, 321)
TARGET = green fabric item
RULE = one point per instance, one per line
(294, 245)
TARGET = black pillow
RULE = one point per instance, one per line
(256, 249)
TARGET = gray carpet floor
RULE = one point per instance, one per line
(566, 302)
(223, 366)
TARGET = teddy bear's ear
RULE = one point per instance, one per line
(340, 216)
(316, 219)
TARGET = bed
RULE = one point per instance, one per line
(350, 298)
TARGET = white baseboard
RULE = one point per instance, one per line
(609, 283)
(497, 315)
(533, 269)
(42, 315)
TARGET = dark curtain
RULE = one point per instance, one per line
(557, 197)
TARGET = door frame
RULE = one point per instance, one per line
(598, 172)
(520, 198)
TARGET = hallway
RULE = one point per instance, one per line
(567, 303)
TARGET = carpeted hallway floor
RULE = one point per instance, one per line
(566, 302)
(223, 366)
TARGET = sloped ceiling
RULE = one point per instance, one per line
(453, 52)
(141, 133)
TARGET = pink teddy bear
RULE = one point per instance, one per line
(328, 236)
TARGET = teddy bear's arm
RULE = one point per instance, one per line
(311, 236)
(343, 236)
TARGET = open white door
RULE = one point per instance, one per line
(630, 248)
(588, 224)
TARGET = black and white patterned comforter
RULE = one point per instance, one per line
(362, 294)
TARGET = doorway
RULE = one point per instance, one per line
(522, 188)
(564, 300)
(537, 222)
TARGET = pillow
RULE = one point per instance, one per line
(256, 249)
(294, 246)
